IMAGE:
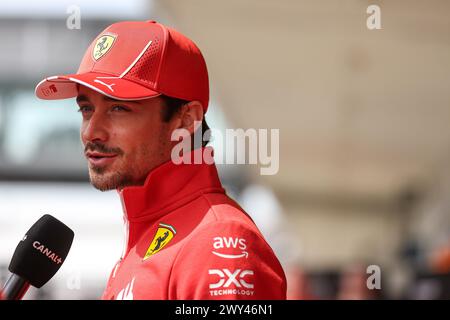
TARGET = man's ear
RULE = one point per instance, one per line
(191, 113)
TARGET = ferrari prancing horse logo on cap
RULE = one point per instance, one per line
(102, 46)
(163, 235)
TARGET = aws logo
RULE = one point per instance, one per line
(163, 236)
(230, 243)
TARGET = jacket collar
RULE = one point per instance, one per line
(168, 186)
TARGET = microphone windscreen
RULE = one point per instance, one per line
(42, 251)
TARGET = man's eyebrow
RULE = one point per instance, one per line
(109, 99)
(106, 98)
(82, 98)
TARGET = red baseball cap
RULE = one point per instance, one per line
(134, 60)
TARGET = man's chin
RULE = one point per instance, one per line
(108, 181)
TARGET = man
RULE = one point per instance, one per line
(186, 239)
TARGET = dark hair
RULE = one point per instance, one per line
(173, 106)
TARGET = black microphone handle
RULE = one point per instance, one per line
(15, 288)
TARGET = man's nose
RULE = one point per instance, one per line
(95, 129)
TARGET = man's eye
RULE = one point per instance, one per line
(84, 109)
(120, 108)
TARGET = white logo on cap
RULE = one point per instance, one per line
(109, 86)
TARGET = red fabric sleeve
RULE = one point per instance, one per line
(227, 260)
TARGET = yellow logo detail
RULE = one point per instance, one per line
(163, 235)
(102, 46)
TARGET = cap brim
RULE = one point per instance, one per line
(65, 86)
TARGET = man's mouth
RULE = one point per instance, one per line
(99, 159)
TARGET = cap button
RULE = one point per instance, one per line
(151, 21)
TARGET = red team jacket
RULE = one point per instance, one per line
(188, 240)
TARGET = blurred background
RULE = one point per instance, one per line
(363, 115)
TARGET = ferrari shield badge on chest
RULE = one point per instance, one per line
(102, 46)
(163, 236)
